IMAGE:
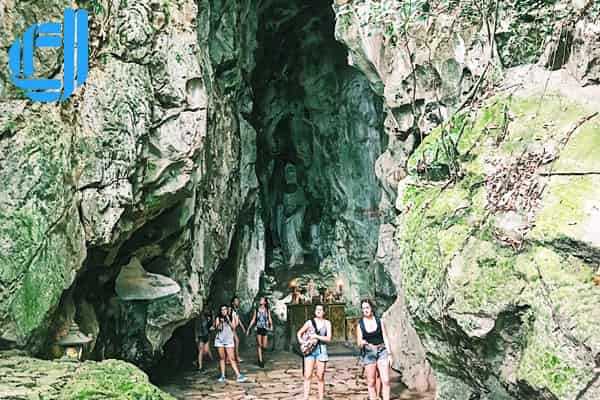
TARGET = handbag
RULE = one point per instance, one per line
(308, 345)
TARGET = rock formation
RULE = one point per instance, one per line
(440, 156)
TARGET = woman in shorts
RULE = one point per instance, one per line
(202, 330)
(264, 323)
(225, 344)
(371, 337)
(320, 330)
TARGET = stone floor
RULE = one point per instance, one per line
(280, 379)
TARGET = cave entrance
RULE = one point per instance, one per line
(319, 133)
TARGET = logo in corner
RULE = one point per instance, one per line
(72, 36)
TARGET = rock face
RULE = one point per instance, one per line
(489, 237)
(497, 265)
(227, 147)
(320, 132)
(145, 161)
(28, 378)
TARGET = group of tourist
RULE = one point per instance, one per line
(225, 327)
(371, 337)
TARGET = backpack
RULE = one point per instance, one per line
(308, 345)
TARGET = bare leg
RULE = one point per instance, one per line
(231, 356)
(207, 350)
(236, 340)
(384, 374)
(371, 371)
(259, 347)
(263, 346)
(321, 378)
(222, 356)
(200, 354)
(309, 363)
(377, 385)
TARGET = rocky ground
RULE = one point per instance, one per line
(281, 379)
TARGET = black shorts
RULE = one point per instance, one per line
(261, 331)
(202, 339)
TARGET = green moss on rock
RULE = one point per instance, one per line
(41, 240)
(461, 280)
(26, 377)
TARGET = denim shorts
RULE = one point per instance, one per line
(371, 355)
(319, 354)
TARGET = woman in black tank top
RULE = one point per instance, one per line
(371, 337)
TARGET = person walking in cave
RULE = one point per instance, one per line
(225, 343)
(202, 327)
(237, 321)
(371, 337)
(264, 323)
(317, 328)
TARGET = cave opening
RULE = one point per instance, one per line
(315, 215)
(319, 133)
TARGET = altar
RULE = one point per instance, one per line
(298, 314)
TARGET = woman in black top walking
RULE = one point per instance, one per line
(202, 329)
(371, 337)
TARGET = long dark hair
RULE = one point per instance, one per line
(266, 303)
(370, 303)
(220, 314)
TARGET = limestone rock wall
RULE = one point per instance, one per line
(430, 60)
(152, 158)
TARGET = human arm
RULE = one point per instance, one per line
(235, 321)
(360, 342)
(251, 324)
(241, 324)
(302, 330)
(270, 320)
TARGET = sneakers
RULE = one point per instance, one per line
(261, 364)
(221, 379)
(241, 378)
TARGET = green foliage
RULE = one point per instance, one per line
(533, 24)
(93, 6)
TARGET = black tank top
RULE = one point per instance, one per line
(375, 337)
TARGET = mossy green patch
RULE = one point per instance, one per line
(457, 141)
(544, 369)
(40, 245)
(549, 361)
(569, 211)
(112, 379)
(484, 278)
(32, 378)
